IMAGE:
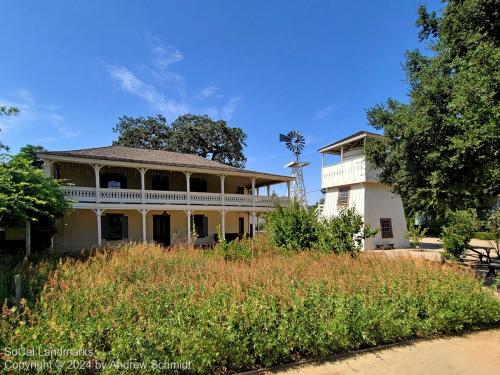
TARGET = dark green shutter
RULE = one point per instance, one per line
(124, 227)
(104, 227)
(205, 226)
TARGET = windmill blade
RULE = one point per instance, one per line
(284, 138)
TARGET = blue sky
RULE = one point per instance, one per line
(266, 66)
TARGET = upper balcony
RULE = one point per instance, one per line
(348, 172)
(83, 196)
(118, 177)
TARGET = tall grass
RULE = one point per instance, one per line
(143, 303)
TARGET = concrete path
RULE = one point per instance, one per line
(476, 353)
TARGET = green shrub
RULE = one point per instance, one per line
(458, 231)
(293, 227)
(233, 250)
(487, 236)
(493, 226)
(343, 233)
(415, 233)
(141, 303)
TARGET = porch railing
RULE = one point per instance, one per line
(106, 195)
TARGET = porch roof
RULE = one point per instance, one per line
(141, 157)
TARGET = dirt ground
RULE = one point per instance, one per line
(476, 353)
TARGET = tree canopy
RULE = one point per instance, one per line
(191, 134)
(443, 146)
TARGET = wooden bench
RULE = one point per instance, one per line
(385, 246)
(481, 254)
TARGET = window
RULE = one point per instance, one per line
(113, 180)
(160, 182)
(343, 198)
(201, 225)
(114, 227)
(198, 185)
(386, 228)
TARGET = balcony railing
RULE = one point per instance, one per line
(346, 173)
(89, 195)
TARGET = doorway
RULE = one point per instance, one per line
(241, 226)
(161, 229)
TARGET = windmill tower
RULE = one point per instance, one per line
(295, 141)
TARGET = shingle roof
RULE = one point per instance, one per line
(360, 134)
(158, 157)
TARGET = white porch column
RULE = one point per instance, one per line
(268, 190)
(47, 167)
(98, 213)
(341, 154)
(188, 213)
(288, 188)
(223, 224)
(253, 192)
(97, 170)
(188, 187)
(222, 179)
(144, 214)
(253, 223)
(143, 184)
(28, 238)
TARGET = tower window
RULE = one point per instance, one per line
(343, 198)
(386, 228)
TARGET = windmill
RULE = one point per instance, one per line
(295, 142)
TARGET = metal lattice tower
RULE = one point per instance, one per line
(295, 142)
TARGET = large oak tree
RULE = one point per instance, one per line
(191, 134)
(443, 146)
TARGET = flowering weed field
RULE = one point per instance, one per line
(142, 303)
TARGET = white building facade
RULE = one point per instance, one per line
(128, 194)
(353, 183)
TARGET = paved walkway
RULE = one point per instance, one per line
(476, 353)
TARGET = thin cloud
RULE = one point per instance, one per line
(133, 85)
(32, 112)
(229, 108)
(325, 112)
(208, 92)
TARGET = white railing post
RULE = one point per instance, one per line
(188, 214)
(144, 213)
(188, 187)
(97, 170)
(253, 224)
(222, 179)
(143, 171)
(223, 224)
(253, 192)
(98, 213)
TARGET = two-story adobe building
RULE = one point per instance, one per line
(122, 193)
(351, 182)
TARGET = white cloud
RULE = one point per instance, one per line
(130, 83)
(33, 112)
(325, 112)
(229, 108)
(178, 101)
(208, 92)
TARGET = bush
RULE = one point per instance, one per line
(343, 233)
(141, 303)
(415, 233)
(458, 231)
(493, 226)
(293, 227)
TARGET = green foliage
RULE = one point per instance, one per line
(458, 231)
(143, 304)
(7, 111)
(344, 233)
(443, 146)
(493, 226)
(415, 232)
(26, 193)
(293, 227)
(29, 152)
(190, 134)
(233, 250)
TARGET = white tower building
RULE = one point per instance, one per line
(353, 183)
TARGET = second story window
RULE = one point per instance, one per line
(113, 180)
(386, 227)
(343, 198)
(198, 185)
